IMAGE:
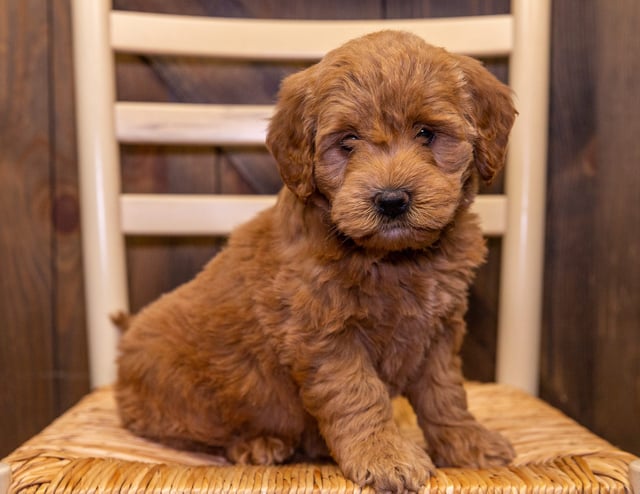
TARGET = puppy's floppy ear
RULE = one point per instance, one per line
(291, 133)
(490, 109)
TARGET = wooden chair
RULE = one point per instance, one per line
(87, 450)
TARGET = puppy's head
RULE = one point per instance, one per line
(394, 134)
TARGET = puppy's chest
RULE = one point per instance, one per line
(394, 296)
(396, 316)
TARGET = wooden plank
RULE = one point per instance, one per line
(616, 366)
(71, 360)
(479, 348)
(277, 9)
(176, 123)
(27, 399)
(438, 8)
(269, 38)
(146, 214)
(570, 295)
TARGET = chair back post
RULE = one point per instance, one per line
(103, 243)
(523, 243)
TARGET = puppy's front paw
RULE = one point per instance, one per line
(471, 445)
(388, 465)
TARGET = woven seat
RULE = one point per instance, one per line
(86, 450)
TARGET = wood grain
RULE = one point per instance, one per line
(616, 364)
(26, 307)
(570, 294)
(70, 352)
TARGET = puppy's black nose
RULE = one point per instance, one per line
(392, 203)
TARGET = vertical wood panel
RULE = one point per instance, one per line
(70, 351)
(479, 349)
(591, 344)
(616, 369)
(25, 234)
(570, 295)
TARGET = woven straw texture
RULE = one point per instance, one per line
(86, 450)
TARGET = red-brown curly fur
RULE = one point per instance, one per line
(324, 306)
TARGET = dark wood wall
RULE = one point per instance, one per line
(43, 358)
(591, 348)
(591, 343)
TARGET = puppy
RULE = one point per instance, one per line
(350, 290)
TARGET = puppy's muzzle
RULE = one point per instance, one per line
(392, 202)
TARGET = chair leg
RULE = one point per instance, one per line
(634, 476)
(5, 478)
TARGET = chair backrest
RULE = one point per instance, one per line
(103, 123)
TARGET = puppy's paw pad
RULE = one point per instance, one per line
(260, 451)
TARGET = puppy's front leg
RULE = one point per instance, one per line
(341, 390)
(453, 435)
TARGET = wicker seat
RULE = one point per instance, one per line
(87, 450)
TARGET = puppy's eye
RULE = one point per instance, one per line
(426, 136)
(347, 142)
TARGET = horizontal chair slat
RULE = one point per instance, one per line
(178, 123)
(166, 214)
(270, 39)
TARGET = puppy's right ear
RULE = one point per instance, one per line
(291, 134)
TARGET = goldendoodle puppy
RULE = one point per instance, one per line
(350, 290)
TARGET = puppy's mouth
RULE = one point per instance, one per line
(390, 232)
(397, 235)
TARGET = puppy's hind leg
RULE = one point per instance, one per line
(262, 450)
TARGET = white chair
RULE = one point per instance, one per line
(518, 215)
(86, 449)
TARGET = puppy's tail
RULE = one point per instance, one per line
(122, 320)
